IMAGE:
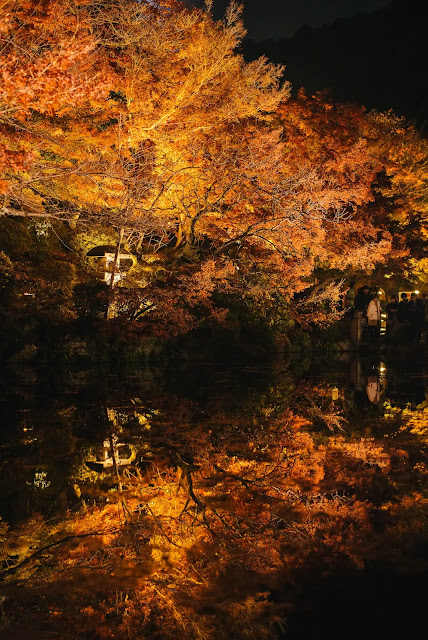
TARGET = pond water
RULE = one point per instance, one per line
(273, 500)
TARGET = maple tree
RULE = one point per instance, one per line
(375, 164)
(118, 151)
(162, 131)
(163, 139)
(329, 138)
(402, 191)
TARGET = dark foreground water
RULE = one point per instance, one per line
(216, 502)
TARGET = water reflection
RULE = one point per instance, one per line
(49, 427)
(385, 379)
(201, 495)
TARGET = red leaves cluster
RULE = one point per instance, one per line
(49, 60)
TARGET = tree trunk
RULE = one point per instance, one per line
(115, 460)
(116, 257)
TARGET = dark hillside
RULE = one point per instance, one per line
(377, 59)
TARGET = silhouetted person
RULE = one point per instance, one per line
(416, 315)
(403, 309)
(392, 313)
(424, 301)
(362, 299)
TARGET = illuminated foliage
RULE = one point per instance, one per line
(161, 131)
(327, 139)
(402, 190)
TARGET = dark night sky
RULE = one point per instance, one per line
(282, 18)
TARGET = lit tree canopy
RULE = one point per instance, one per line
(144, 118)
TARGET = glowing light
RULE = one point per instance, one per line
(417, 292)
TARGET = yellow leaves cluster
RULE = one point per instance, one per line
(365, 449)
(416, 422)
(419, 268)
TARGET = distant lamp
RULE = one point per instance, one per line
(417, 292)
(380, 292)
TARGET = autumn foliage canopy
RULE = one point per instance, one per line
(143, 118)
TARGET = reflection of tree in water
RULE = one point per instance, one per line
(228, 498)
